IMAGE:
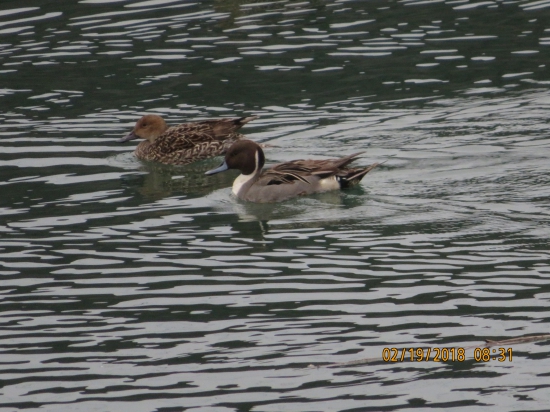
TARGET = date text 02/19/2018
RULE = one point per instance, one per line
(445, 354)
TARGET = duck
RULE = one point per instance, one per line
(184, 143)
(286, 180)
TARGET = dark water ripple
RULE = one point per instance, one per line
(133, 285)
(164, 309)
(163, 45)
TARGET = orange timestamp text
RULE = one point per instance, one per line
(445, 354)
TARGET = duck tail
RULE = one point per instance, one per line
(355, 175)
(227, 126)
(244, 120)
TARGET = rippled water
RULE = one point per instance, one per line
(130, 285)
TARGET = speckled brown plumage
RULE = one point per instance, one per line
(184, 143)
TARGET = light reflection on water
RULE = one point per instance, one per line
(129, 284)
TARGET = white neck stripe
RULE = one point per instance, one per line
(257, 159)
(242, 179)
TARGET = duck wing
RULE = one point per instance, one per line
(220, 128)
(303, 170)
(214, 134)
(183, 137)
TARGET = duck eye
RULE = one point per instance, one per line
(144, 124)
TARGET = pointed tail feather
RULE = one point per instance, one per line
(356, 175)
(344, 161)
(224, 127)
(244, 120)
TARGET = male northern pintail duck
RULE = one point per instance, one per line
(184, 143)
(286, 180)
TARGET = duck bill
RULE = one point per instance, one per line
(221, 168)
(128, 137)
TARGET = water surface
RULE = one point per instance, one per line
(127, 284)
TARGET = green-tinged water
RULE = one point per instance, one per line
(135, 286)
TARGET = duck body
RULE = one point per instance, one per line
(184, 143)
(286, 180)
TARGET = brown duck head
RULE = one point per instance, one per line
(149, 127)
(244, 155)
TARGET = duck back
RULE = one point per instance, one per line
(190, 142)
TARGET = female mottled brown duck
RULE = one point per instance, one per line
(184, 143)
